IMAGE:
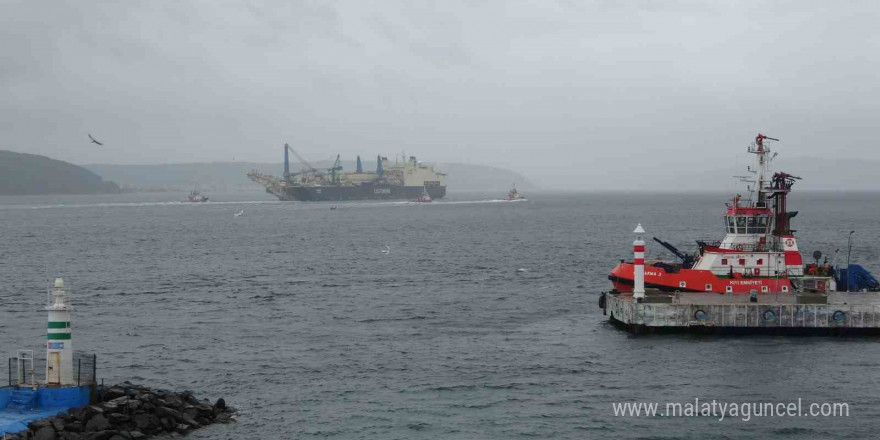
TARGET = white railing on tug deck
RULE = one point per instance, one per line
(746, 247)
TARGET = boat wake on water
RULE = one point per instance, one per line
(471, 202)
(259, 202)
(403, 203)
(137, 204)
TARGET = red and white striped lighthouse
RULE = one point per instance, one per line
(639, 264)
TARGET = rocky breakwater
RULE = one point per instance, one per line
(131, 412)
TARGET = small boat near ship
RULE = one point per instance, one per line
(513, 195)
(196, 197)
(424, 197)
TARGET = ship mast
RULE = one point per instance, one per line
(777, 188)
(761, 152)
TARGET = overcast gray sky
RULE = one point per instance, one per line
(554, 89)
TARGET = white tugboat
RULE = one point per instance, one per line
(513, 195)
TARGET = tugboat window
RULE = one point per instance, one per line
(740, 225)
(751, 229)
(731, 228)
(762, 225)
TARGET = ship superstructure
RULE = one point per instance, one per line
(759, 252)
(406, 179)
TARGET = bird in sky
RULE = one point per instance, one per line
(94, 141)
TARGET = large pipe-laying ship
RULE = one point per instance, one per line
(406, 180)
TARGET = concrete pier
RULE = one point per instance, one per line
(839, 313)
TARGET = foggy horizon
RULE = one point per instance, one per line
(633, 92)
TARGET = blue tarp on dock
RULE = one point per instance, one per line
(856, 279)
(46, 402)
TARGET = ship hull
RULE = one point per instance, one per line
(365, 191)
(695, 280)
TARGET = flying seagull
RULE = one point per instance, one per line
(94, 141)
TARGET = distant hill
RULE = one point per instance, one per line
(30, 174)
(231, 176)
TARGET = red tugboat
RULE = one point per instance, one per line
(424, 197)
(195, 197)
(758, 254)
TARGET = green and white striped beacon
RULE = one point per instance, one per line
(59, 345)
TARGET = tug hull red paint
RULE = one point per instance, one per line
(695, 281)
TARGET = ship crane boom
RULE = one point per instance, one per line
(335, 170)
(301, 159)
(686, 260)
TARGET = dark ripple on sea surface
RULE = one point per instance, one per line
(293, 314)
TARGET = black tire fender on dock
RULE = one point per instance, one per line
(602, 302)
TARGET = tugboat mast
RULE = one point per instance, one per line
(761, 151)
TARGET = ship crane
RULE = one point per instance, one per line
(687, 261)
(309, 174)
(309, 166)
(334, 171)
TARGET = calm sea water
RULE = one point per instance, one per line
(292, 314)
